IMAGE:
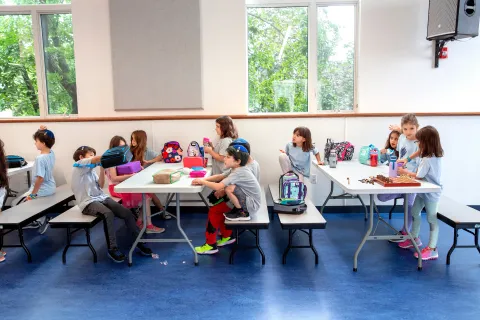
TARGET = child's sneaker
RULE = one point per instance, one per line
(407, 244)
(401, 233)
(116, 255)
(225, 241)
(154, 229)
(428, 254)
(237, 215)
(207, 249)
(144, 250)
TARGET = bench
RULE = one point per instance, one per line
(25, 213)
(74, 219)
(305, 222)
(259, 220)
(459, 216)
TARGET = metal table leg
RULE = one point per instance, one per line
(367, 234)
(142, 231)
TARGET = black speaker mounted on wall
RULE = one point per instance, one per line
(450, 20)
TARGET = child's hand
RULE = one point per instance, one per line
(207, 150)
(320, 163)
(383, 151)
(394, 127)
(402, 161)
(197, 182)
(282, 151)
(402, 171)
(42, 127)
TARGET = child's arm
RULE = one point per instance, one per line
(410, 158)
(215, 178)
(156, 159)
(319, 161)
(413, 175)
(212, 185)
(394, 127)
(116, 178)
(214, 155)
(38, 183)
(101, 179)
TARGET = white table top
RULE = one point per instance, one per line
(142, 182)
(14, 171)
(357, 171)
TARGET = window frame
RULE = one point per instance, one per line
(312, 7)
(35, 11)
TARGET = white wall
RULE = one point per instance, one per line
(460, 173)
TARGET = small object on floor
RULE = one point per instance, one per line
(155, 256)
(183, 262)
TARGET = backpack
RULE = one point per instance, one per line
(15, 162)
(194, 150)
(291, 189)
(344, 150)
(172, 152)
(114, 157)
(364, 155)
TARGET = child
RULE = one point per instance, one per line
(93, 201)
(242, 189)
(430, 169)
(406, 145)
(129, 200)
(296, 156)
(3, 186)
(226, 130)
(140, 152)
(390, 145)
(44, 184)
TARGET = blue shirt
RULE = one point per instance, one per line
(430, 170)
(85, 185)
(406, 148)
(300, 159)
(43, 167)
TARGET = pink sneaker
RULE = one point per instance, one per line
(154, 229)
(407, 244)
(428, 254)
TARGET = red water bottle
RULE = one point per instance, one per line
(373, 159)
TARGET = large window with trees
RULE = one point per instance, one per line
(37, 65)
(301, 55)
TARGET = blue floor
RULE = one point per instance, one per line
(386, 286)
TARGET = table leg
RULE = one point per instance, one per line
(29, 179)
(179, 226)
(405, 219)
(328, 198)
(142, 231)
(367, 234)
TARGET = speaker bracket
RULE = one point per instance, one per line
(439, 44)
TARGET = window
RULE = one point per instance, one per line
(37, 65)
(301, 58)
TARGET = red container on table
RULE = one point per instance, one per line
(373, 159)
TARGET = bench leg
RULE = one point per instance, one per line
(257, 242)
(455, 236)
(69, 241)
(235, 246)
(289, 246)
(87, 233)
(476, 240)
(22, 242)
(310, 240)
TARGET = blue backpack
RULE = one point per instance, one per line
(15, 161)
(291, 190)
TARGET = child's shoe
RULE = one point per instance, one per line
(207, 249)
(428, 254)
(237, 215)
(225, 241)
(407, 244)
(154, 229)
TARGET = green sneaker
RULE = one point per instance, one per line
(207, 249)
(225, 241)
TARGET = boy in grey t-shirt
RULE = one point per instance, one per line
(93, 201)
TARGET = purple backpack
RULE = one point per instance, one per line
(292, 190)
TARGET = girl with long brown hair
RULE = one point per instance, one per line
(227, 132)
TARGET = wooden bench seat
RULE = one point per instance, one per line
(17, 217)
(259, 220)
(304, 222)
(459, 216)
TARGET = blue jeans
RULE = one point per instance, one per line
(431, 208)
(411, 199)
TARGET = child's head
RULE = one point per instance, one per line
(409, 125)
(138, 139)
(117, 141)
(241, 142)
(3, 168)
(392, 140)
(237, 156)
(44, 139)
(302, 138)
(84, 153)
(429, 142)
(225, 128)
